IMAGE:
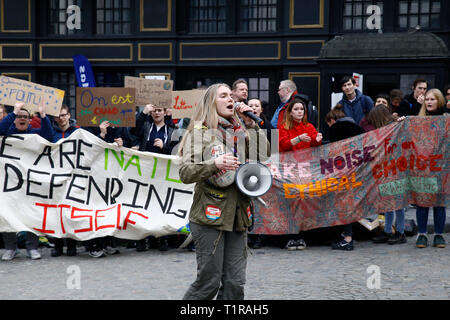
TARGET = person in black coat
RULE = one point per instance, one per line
(342, 127)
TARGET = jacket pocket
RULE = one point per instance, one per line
(211, 208)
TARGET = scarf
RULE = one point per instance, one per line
(231, 131)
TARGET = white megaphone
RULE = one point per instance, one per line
(254, 179)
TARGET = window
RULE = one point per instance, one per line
(258, 15)
(258, 88)
(113, 16)
(425, 13)
(356, 16)
(110, 78)
(207, 16)
(57, 22)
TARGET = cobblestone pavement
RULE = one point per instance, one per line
(272, 274)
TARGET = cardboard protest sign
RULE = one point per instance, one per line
(116, 105)
(184, 102)
(82, 187)
(14, 90)
(157, 92)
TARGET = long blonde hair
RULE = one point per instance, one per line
(439, 97)
(206, 113)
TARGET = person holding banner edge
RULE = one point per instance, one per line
(220, 215)
(433, 105)
(18, 122)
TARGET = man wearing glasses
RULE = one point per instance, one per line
(18, 122)
(286, 90)
(64, 125)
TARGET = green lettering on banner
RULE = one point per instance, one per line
(416, 184)
(169, 162)
(121, 160)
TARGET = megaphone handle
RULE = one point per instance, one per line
(262, 202)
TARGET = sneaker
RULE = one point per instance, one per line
(301, 244)
(110, 250)
(291, 245)
(439, 241)
(343, 245)
(97, 254)
(56, 252)
(422, 241)
(382, 238)
(33, 254)
(9, 255)
(397, 238)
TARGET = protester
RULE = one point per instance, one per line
(103, 246)
(395, 98)
(219, 216)
(342, 127)
(63, 127)
(18, 122)
(286, 90)
(154, 133)
(257, 241)
(356, 105)
(412, 103)
(378, 117)
(433, 105)
(239, 91)
(296, 133)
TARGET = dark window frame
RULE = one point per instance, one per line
(419, 15)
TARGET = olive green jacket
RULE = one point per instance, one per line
(221, 208)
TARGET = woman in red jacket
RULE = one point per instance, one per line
(296, 132)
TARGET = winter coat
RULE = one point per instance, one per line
(7, 127)
(409, 106)
(227, 208)
(358, 108)
(344, 128)
(286, 135)
(144, 125)
(59, 134)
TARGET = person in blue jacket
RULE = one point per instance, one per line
(18, 122)
(63, 125)
(356, 105)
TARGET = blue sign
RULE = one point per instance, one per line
(83, 71)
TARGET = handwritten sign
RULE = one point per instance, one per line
(14, 90)
(116, 105)
(121, 192)
(157, 92)
(184, 102)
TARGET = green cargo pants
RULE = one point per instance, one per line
(221, 262)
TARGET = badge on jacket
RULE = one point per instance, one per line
(213, 212)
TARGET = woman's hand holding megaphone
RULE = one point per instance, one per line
(227, 162)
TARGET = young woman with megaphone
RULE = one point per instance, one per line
(220, 214)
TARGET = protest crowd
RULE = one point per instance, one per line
(296, 121)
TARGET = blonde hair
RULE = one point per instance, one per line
(440, 98)
(206, 113)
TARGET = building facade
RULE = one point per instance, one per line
(200, 42)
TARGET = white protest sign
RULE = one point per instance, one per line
(83, 188)
(14, 90)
